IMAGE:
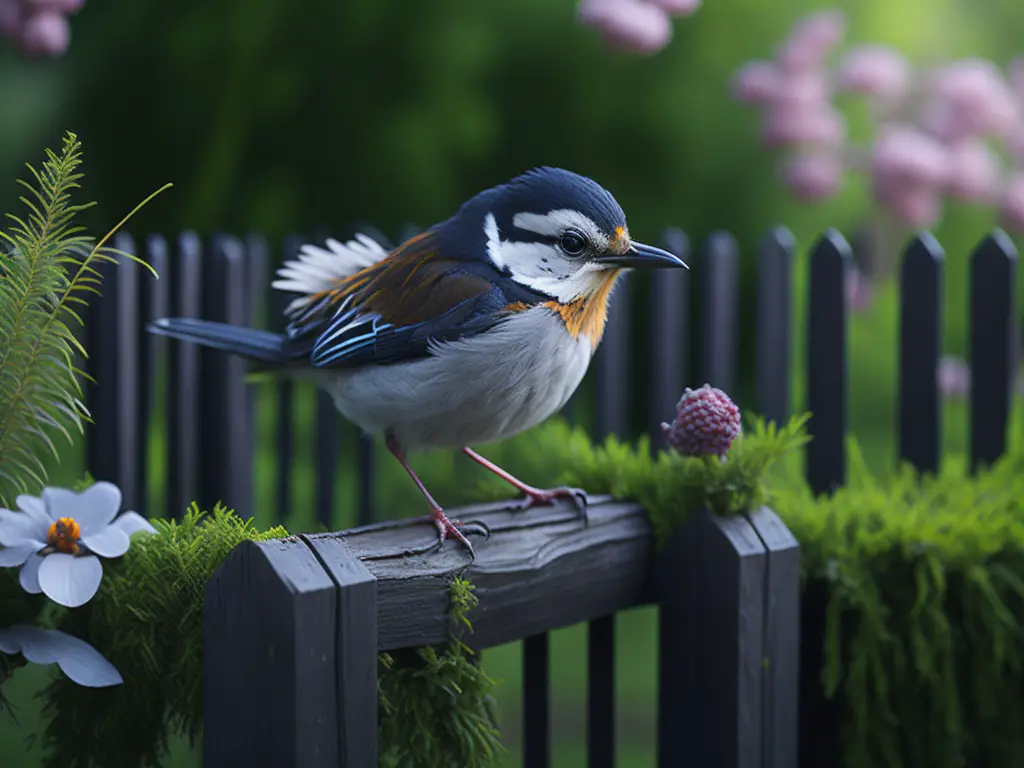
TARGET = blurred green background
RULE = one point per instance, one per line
(279, 117)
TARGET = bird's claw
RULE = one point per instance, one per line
(460, 531)
(576, 496)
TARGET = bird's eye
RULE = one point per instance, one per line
(572, 243)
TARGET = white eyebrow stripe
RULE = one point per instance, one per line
(493, 236)
(555, 222)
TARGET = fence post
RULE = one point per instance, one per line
(729, 593)
(289, 659)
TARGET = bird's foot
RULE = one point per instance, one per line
(534, 496)
(452, 529)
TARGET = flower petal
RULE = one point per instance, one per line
(130, 522)
(108, 542)
(76, 658)
(34, 507)
(11, 557)
(93, 508)
(29, 575)
(68, 580)
(18, 528)
(10, 641)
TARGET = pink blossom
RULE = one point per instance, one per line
(970, 97)
(46, 32)
(813, 176)
(903, 152)
(1015, 75)
(757, 82)
(954, 377)
(60, 6)
(678, 7)
(630, 25)
(973, 172)
(811, 40)
(807, 123)
(860, 292)
(1011, 208)
(1015, 144)
(916, 203)
(11, 18)
(875, 70)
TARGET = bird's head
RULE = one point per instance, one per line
(558, 233)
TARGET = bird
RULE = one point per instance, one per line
(467, 333)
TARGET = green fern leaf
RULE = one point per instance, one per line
(47, 270)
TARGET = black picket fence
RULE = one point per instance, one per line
(209, 417)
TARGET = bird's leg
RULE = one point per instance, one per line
(533, 495)
(445, 527)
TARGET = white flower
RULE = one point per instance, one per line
(56, 540)
(76, 658)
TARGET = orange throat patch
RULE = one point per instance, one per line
(586, 315)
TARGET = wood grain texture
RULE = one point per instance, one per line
(269, 659)
(781, 683)
(356, 644)
(540, 570)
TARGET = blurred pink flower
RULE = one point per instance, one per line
(813, 176)
(905, 153)
(915, 203)
(815, 123)
(45, 32)
(1015, 76)
(875, 70)
(1011, 208)
(630, 25)
(11, 18)
(1015, 144)
(811, 40)
(757, 82)
(970, 97)
(860, 292)
(973, 172)
(954, 377)
(60, 6)
(678, 7)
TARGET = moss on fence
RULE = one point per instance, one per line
(923, 582)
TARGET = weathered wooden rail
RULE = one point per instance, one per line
(292, 627)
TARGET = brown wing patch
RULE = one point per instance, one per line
(588, 314)
(413, 284)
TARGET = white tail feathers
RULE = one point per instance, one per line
(320, 269)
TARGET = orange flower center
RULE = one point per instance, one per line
(64, 535)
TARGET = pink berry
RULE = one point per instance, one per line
(678, 7)
(757, 82)
(813, 176)
(811, 40)
(629, 25)
(1011, 208)
(874, 70)
(973, 172)
(46, 32)
(706, 423)
(812, 123)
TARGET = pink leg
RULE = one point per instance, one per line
(533, 495)
(445, 527)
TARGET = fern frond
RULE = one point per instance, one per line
(50, 264)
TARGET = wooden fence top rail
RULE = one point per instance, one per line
(541, 569)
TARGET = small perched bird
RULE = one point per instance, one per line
(470, 332)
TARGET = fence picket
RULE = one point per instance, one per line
(993, 345)
(919, 420)
(774, 324)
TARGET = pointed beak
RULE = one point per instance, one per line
(640, 256)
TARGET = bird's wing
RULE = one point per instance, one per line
(396, 308)
(317, 270)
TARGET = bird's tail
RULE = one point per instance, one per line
(262, 346)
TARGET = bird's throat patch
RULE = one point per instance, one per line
(586, 315)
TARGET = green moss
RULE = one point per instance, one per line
(436, 704)
(147, 620)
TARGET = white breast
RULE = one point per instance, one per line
(476, 390)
